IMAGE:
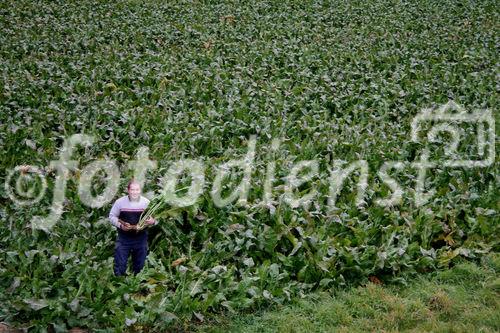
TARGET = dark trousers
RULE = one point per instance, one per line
(123, 249)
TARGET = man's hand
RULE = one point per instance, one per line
(150, 221)
(128, 227)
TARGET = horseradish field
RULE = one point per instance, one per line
(293, 147)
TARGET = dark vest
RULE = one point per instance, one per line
(132, 216)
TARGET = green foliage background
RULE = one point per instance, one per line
(194, 79)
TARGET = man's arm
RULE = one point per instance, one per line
(113, 215)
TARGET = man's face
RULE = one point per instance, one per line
(134, 191)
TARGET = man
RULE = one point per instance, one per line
(125, 214)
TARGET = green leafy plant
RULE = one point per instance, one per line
(328, 81)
